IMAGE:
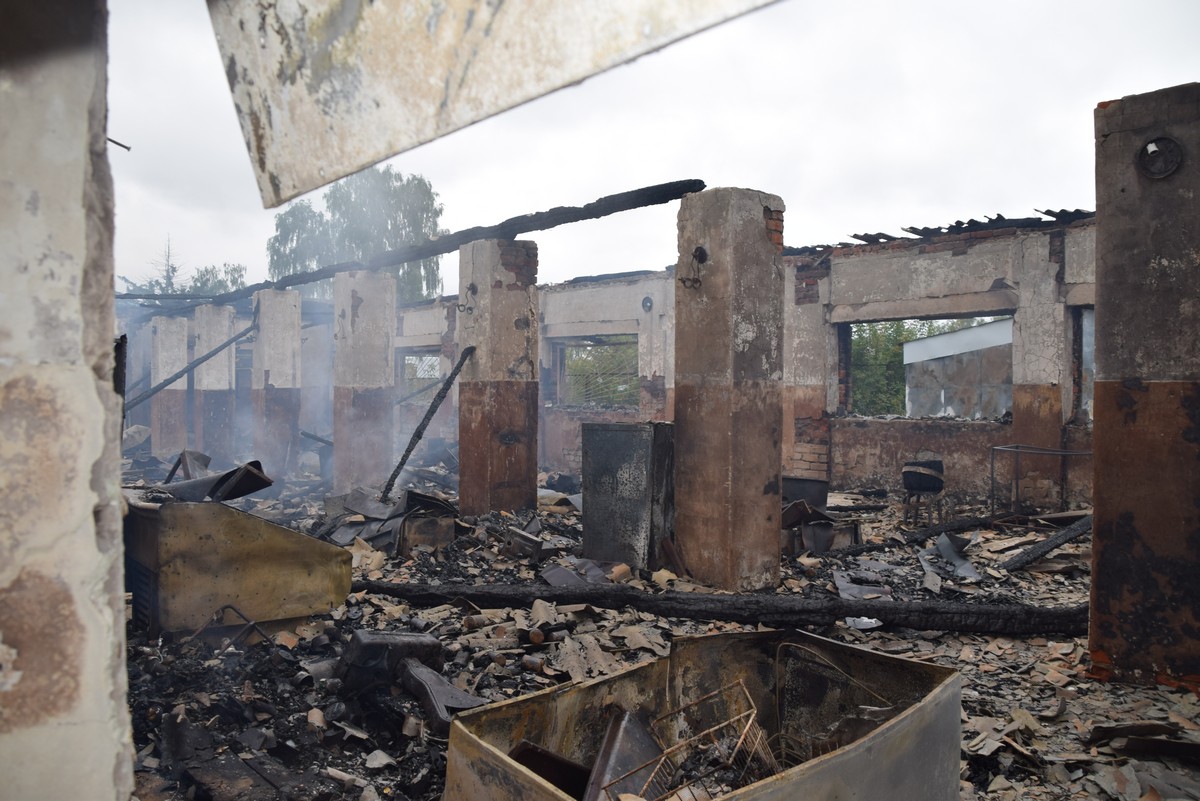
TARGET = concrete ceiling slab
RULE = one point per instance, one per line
(324, 88)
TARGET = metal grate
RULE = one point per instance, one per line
(601, 373)
(718, 747)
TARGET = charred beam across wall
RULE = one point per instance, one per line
(509, 229)
(768, 609)
(171, 379)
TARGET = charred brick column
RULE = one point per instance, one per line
(168, 409)
(275, 380)
(498, 389)
(214, 396)
(810, 349)
(728, 371)
(364, 378)
(1145, 610)
(1041, 373)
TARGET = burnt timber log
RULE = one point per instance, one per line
(779, 611)
(509, 229)
(1036, 552)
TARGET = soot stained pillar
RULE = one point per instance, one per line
(1145, 606)
(728, 371)
(498, 388)
(364, 379)
(215, 408)
(168, 409)
(275, 380)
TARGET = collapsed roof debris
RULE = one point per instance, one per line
(356, 703)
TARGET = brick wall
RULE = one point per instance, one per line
(810, 450)
(869, 453)
(774, 222)
(521, 259)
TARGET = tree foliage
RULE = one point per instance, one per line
(367, 213)
(877, 367)
(603, 374)
(877, 360)
(214, 280)
(168, 278)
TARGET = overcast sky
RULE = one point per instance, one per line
(863, 115)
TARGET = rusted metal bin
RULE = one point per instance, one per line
(628, 491)
(184, 561)
(839, 722)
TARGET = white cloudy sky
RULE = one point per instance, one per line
(864, 115)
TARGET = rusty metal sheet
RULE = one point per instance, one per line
(911, 753)
(194, 558)
(628, 479)
(324, 88)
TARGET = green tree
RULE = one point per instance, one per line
(367, 213)
(168, 278)
(604, 373)
(300, 244)
(214, 280)
(877, 360)
(877, 367)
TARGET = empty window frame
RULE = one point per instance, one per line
(417, 370)
(1084, 343)
(597, 371)
(931, 368)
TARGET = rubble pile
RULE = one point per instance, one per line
(356, 703)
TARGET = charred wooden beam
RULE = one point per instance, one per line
(769, 609)
(1036, 552)
(509, 229)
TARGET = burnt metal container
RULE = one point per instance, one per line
(185, 561)
(923, 476)
(840, 721)
(628, 491)
(813, 490)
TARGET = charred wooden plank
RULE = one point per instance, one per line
(769, 609)
(1036, 552)
(510, 228)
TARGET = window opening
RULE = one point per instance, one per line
(932, 368)
(417, 370)
(598, 371)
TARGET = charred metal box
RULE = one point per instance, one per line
(628, 491)
(184, 561)
(831, 721)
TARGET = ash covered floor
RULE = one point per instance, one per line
(280, 719)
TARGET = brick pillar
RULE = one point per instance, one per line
(728, 370)
(364, 379)
(214, 388)
(809, 348)
(498, 388)
(1145, 606)
(168, 409)
(275, 380)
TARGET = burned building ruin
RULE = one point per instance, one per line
(744, 345)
